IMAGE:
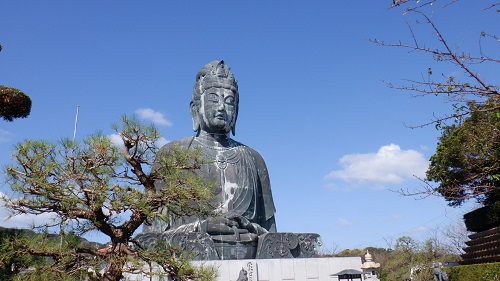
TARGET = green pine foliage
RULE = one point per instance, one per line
(99, 186)
(26, 255)
(13, 103)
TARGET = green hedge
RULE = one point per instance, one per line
(483, 218)
(475, 272)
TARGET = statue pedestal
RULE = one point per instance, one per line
(283, 245)
(273, 245)
(235, 250)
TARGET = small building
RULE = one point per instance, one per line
(349, 275)
(370, 268)
(484, 244)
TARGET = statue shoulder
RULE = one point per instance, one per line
(182, 143)
(167, 148)
(255, 154)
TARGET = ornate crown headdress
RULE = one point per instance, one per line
(215, 74)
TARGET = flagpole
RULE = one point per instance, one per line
(76, 122)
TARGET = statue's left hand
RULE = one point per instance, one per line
(246, 224)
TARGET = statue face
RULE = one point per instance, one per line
(218, 110)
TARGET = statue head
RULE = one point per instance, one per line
(214, 105)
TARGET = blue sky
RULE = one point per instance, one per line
(312, 100)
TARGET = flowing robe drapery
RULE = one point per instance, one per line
(243, 186)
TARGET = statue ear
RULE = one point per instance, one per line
(233, 128)
(193, 111)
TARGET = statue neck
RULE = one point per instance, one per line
(221, 140)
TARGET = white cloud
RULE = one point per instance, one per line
(389, 165)
(117, 140)
(22, 220)
(418, 229)
(332, 186)
(396, 217)
(5, 135)
(424, 148)
(154, 116)
(341, 221)
(161, 142)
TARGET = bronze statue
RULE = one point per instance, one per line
(245, 206)
(243, 225)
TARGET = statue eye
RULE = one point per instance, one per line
(213, 98)
(229, 100)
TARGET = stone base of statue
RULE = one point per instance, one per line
(232, 247)
(279, 245)
(276, 245)
(198, 244)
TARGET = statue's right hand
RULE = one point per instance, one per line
(221, 225)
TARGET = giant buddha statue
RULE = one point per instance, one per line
(244, 207)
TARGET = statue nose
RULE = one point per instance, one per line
(220, 105)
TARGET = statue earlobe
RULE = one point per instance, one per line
(233, 128)
(193, 111)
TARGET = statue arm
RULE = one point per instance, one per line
(158, 224)
(265, 194)
(270, 224)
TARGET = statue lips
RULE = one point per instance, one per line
(220, 116)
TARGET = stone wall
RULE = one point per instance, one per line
(310, 269)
